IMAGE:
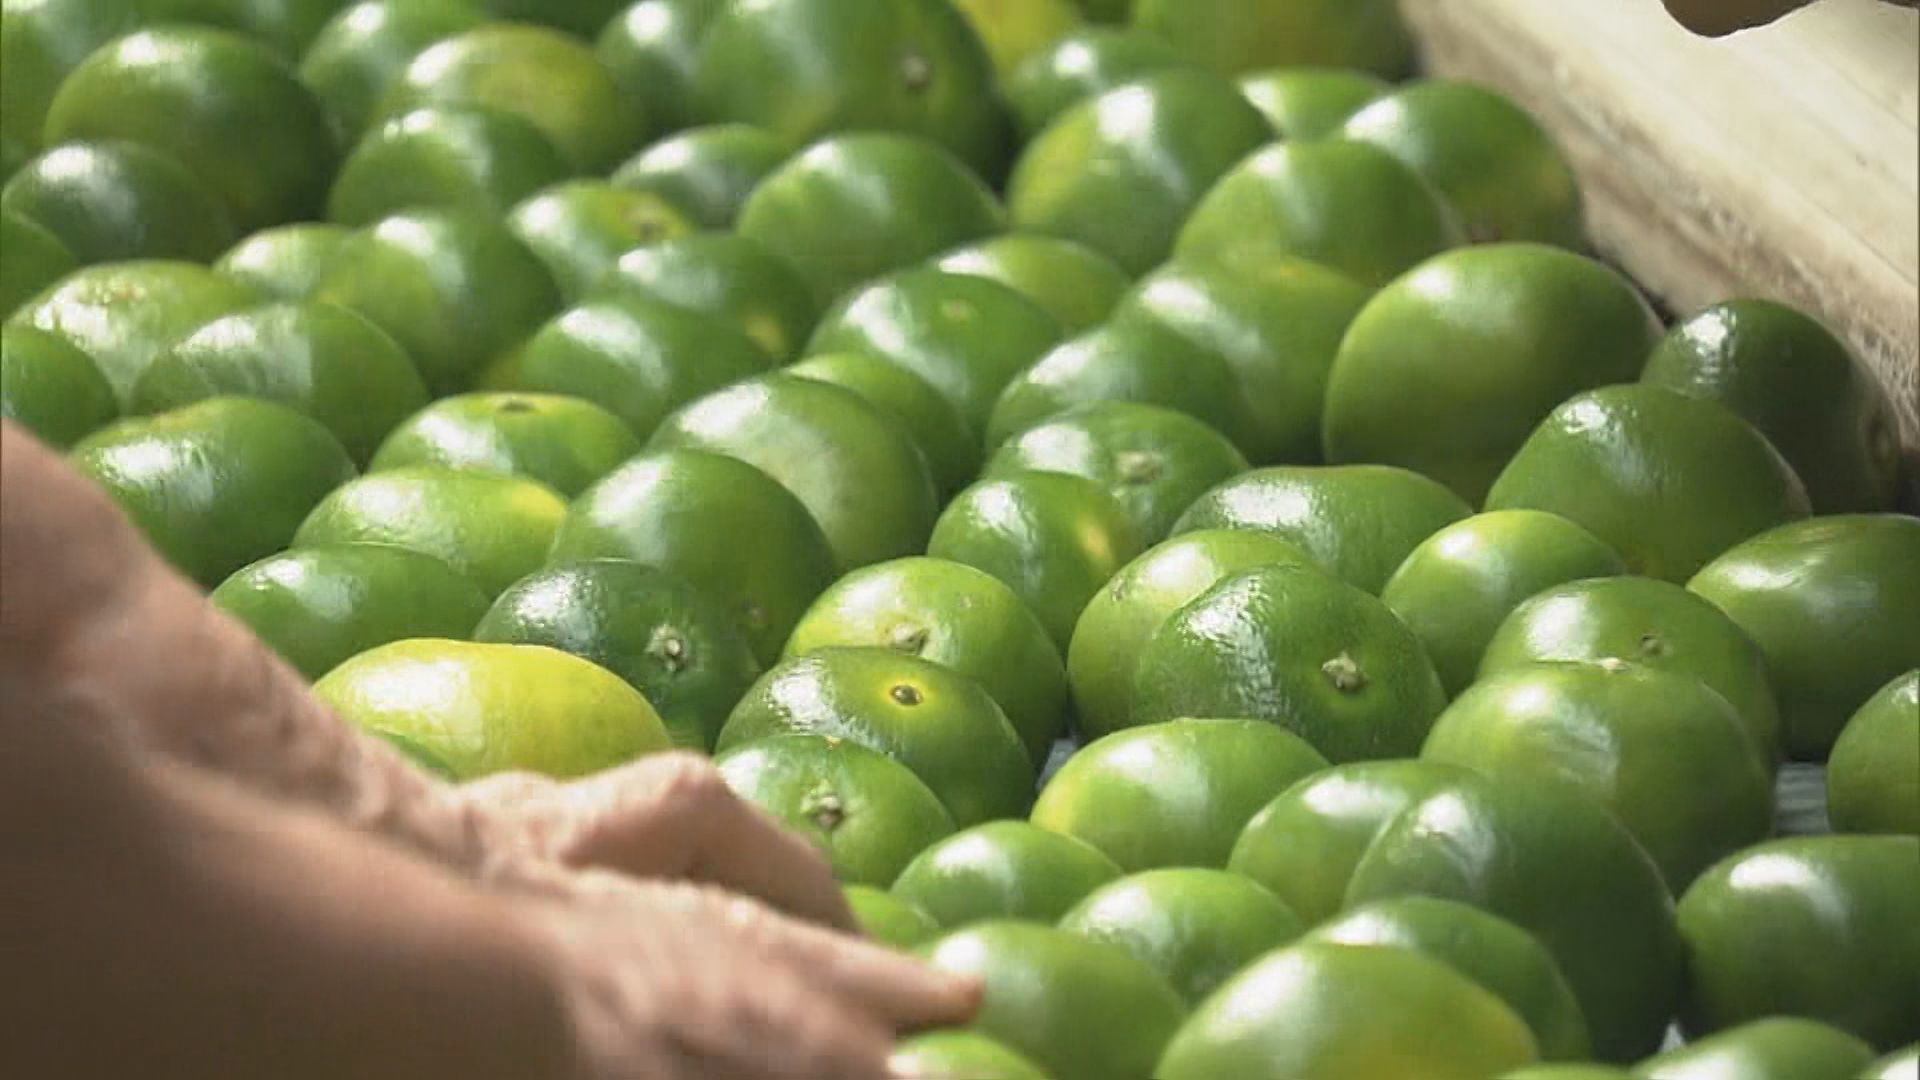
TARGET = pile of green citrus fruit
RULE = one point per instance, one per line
(909, 400)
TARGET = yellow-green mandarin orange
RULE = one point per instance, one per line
(1346, 1012)
(456, 156)
(581, 228)
(1873, 775)
(705, 172)
(866, 812)
(1669, 481)
(938, 429)
(938, 723)
(1834, 604)
(31, 259)
(960, 1055)
(1117, 622)
(1003, 870)
(1500, 171)
(1358, 521)
(565, 443)
(1306, 102)
(493, 527)
(637, 357)
(1457, 587)
(1075, 284)
(117, 200)
(219, 483)
(1353, 207)
(1196, 927)
(728, 277)
(685, 652)
(319, 606)
(888, 919)
(1081, 1010)
(483, 709)
(356, 57)
(1175, 793)
(1119, 172)
(318, 358)
(1448, 370)
(956, 616)
(1078, 65)
(1233, 37)
(51, 388)
(652, 49)
(1305, 843)
(1776, 1048)
(286, 262)
(856, 468)
(1655, 624)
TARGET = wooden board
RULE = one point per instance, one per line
(1780, 162)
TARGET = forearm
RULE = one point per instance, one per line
(164, 924)
(92, 610)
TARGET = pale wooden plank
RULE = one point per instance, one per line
(1780, 162)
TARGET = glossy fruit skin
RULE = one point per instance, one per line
(1153, 461)
(1554, 862)
(1491, 951)
(284, 263)
(728, 277)
(484, 709)
(31, 261)
(805, 68)
(957, 1055)
(454, 156)
(1297, 647)
(956, 616)
(965, 335)
(1305, 843)
(317, 358)
(1449, 369)
(1082, 64)
(942, 725)
(1120, 171)
(941, 432)
(652, 49)
(456, 289)
(1777, 1048)
(1233, 39)
(1003, 870)
(1124, 361)
(1013, 30)
(1175, 793)
(359, 54)
(217, 484)
(108, 201)
(1122, 616)
(866, 812)
(124, 315)
(639, 358)
(889, 920)
(565, 443)
(1491, 160)
(1669, 756)
(723, 525)
(678, 647)
(225, 107)
(581, 228)
(1054, 539)
(1456, 589)
(491, 527)
(852, 207)
(1277, 323)
(1713, 482)
(1358, 521)
(1305, 102)
(581, 17)
(319, 606)
(1351, 207)
(1793, 379)
(1196, 927)
(577, 105)
(51, 388)
(1318, 1009)
(1079, 1009)
(286, 26)
(1900, 1065)
(856, 468)
(41, 41)
(1824, 927)
(1075, 284)
(1834, 603)
(1873, 776)
(705, 172)
(1654, 624)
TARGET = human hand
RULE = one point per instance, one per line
(668, 981)
(668, 816)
